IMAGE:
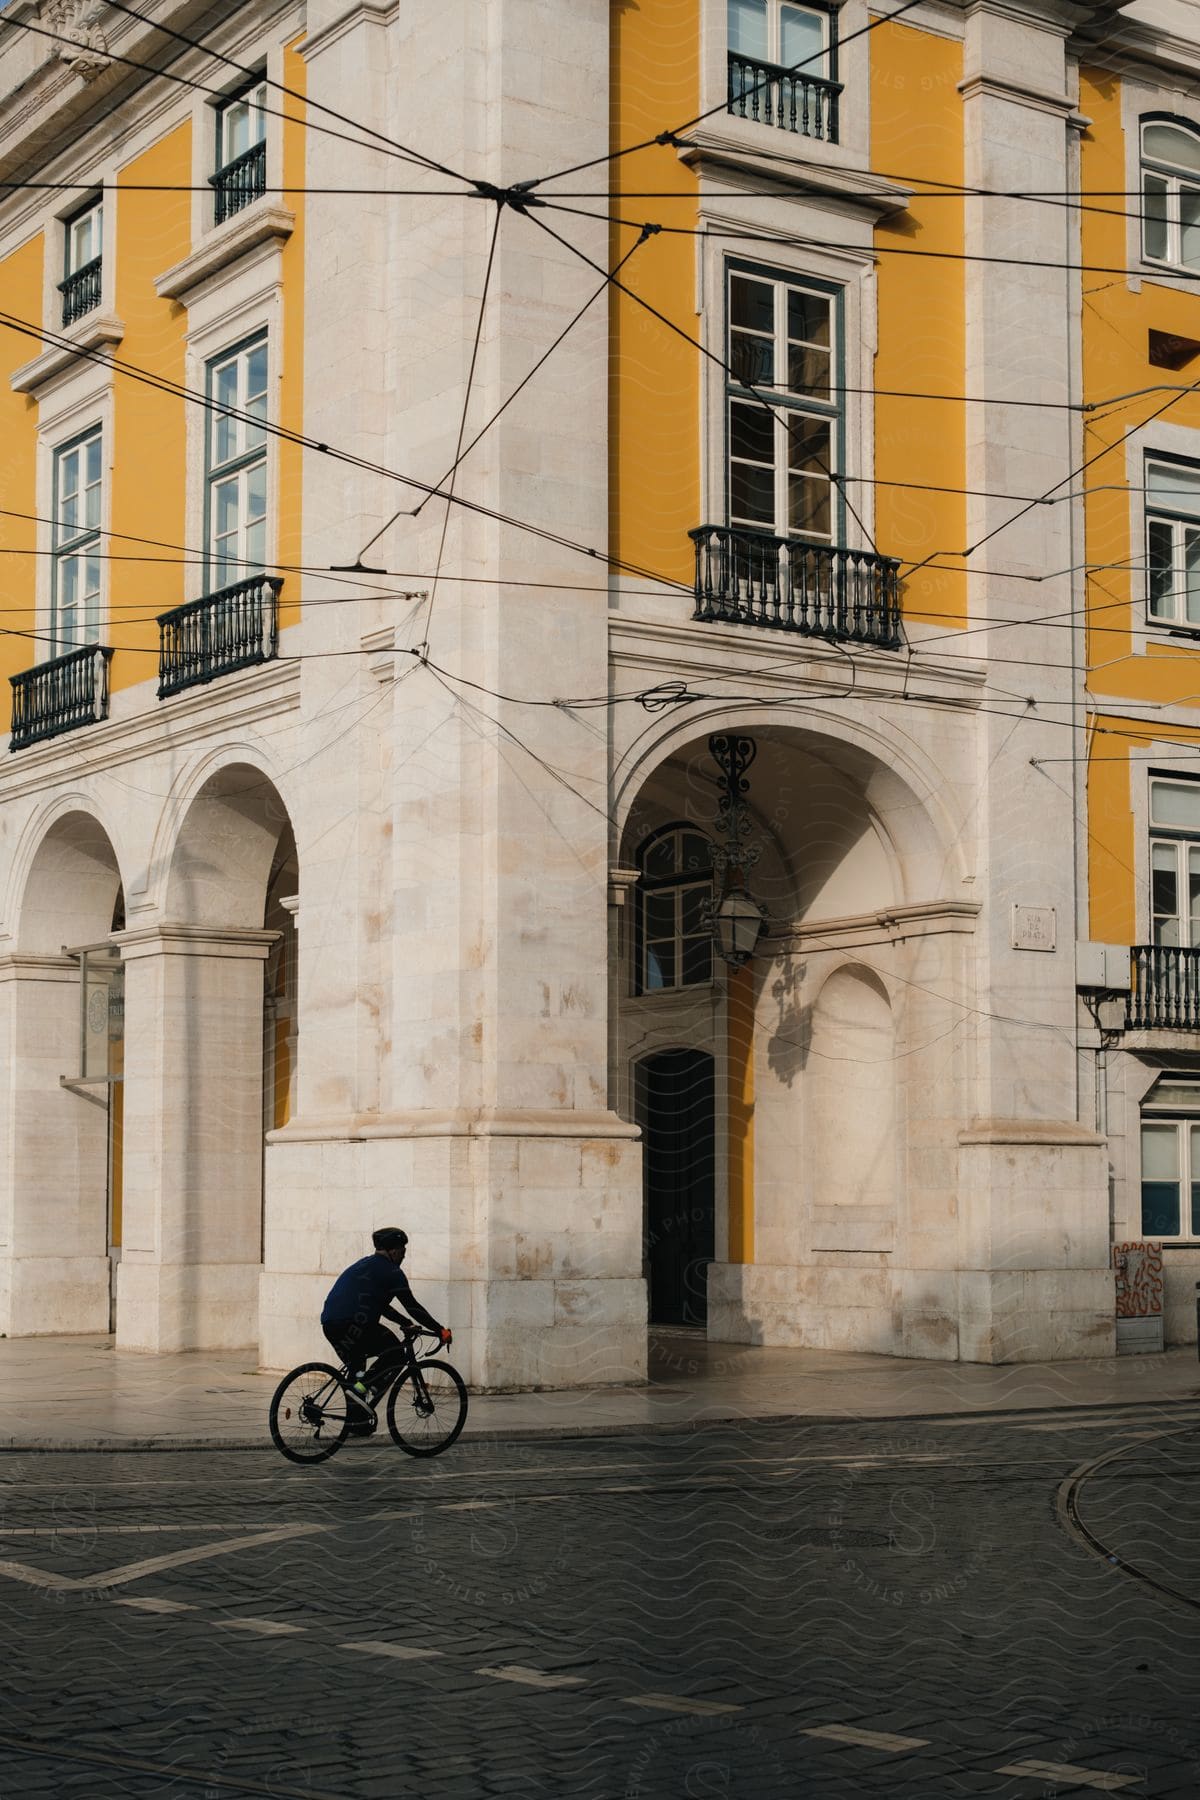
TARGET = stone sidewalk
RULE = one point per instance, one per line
(82, 1393)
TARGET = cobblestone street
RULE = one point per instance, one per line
(922, 1607)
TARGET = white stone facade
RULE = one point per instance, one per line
(462, 1017)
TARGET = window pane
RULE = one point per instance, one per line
(752, 359)
(256, 393)
(808, 317)
(1154, 216)
(1189, 227)
(1164, 893)
(1160, 1209)
(696, 851)
(693, 901)
(1160, 1151)
(1171, 144)
(751, 495)
(659, 916)
(1191, 575)
(660, 965)
(809, 446)
(802, 40)
(748, 28)
(68, 583)
(1175, 803)
(1173, 487)
(1160, 558)
(1194, 1222)
(752, 303)
(697, 961)
(808, 370)
(808, 506)
(225, 434)
(751, 433)
(256, 491)
(256, 550)
(659, 859)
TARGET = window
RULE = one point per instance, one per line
(774, 31)
(241, 165)
(1175, 862)
(237, 465)
(781, 341)
(1171, 1159)
(75, 565)
(1171, 194)
(83, 240)
(1173, 542)
(674, 934)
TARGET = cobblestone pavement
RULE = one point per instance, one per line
(917, 1608)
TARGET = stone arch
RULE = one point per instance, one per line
(70, 885)
(61, 1186)
(224, 848)
(903, 792)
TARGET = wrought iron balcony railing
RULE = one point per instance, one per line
(60, 695)
(748, 578)
(81, 290)
(1165, 993)
(240, 182)
(805, 104)
(233, 629)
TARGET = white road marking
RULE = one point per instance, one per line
(174, 1559)
(869, 1740)
(403, 1652)
(677, 1703)
(156, 1606)
(264, 1627)
(1104, 1779)
(50, 1531)
(532, 1677)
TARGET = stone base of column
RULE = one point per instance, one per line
(525, 1237)
(186, 1306)
(55, 1295)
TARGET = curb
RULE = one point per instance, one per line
(638, 1428)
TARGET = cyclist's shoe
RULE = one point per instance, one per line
(363, 1429)
(360, 1393)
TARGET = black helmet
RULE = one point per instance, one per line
(389, 1237)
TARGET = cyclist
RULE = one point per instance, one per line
(357, 1303)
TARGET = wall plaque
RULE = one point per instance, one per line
(1033, 928)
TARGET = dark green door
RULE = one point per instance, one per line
(675, 1096)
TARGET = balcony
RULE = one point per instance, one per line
(240, 182)
(233, 629)
(81, 291)
(748, 578)
(60, 695)
(769, 95)
(1165, 994)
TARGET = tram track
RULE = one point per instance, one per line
(1071, 1520)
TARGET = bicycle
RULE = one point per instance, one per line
(312, 1409)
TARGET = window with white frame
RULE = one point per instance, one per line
(240, 175)
(1171, 193)
(782, 455)
(75, 558)
(675, 892)
(1173, 541)
(1171, 1159)
(236, 498)
(1175, 862)
(780, 33)
(83, 244)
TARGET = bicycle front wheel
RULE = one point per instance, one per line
(427, 1408)
(310, 1413)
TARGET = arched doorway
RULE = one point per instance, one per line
(674, 1094)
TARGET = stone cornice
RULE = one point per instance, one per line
(1066, 1133)
(990, 87)
(230, 943)
(262, 223)
(890, 925)
(94, 332)
(15, 966)
(482, 1122)
(237, 700)
(369, 12)
(875, 194)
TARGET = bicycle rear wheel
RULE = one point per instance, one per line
(427, 1408)
(310, 1413)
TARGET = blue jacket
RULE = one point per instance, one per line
(362, 1295)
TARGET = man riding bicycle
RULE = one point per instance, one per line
(357, 1303)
